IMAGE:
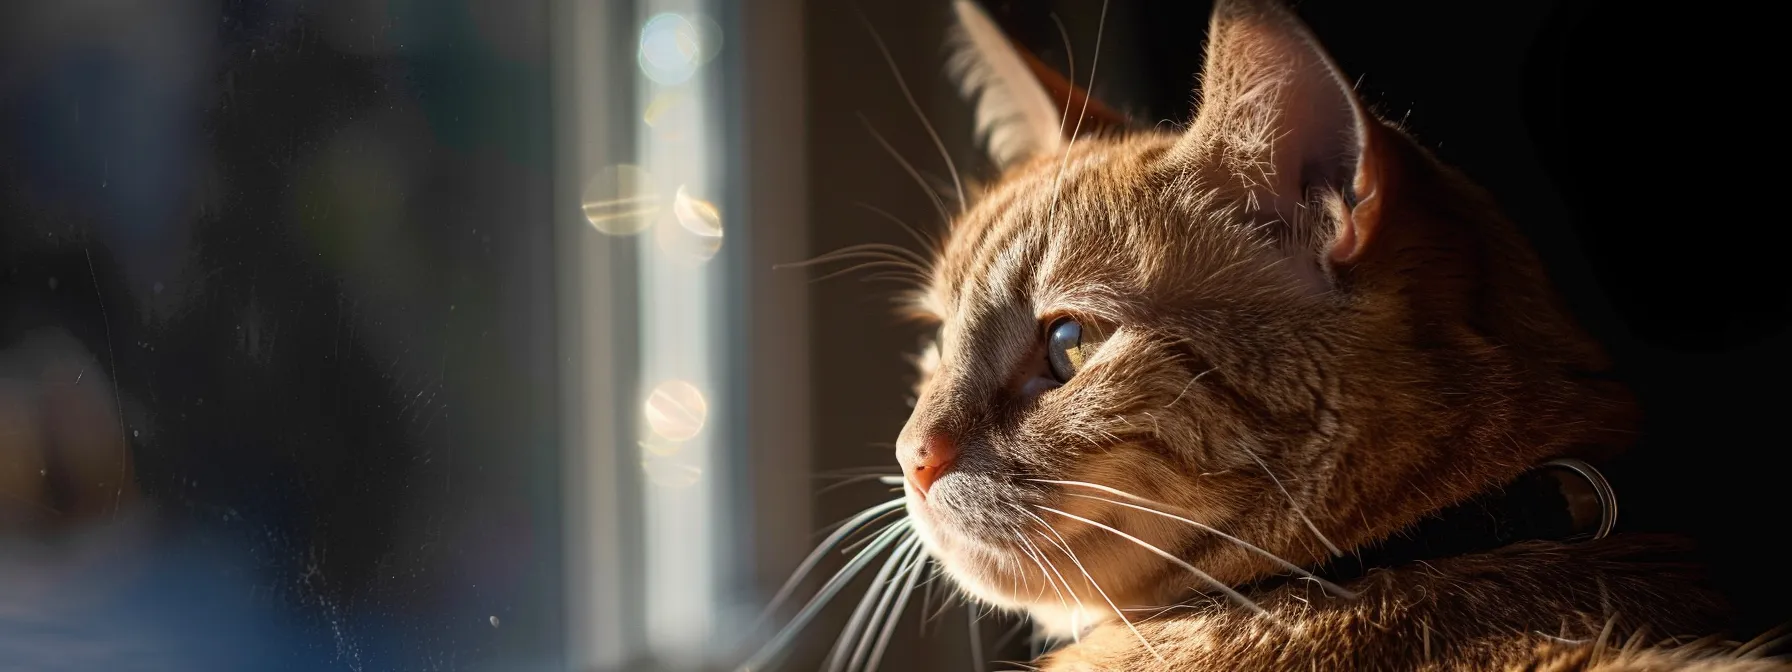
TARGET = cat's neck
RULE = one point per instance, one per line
(1439, 615)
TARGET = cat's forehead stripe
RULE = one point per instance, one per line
(996, 239)
(994, 275)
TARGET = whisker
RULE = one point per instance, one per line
(1159, 611)
(1011, 634)
(897, 512)
(945, 602)
(1065, 546)
(900, 82)
(927, 242)
(938, 205)
(1069, 58)
(1094, 64)
(927, 601)
(846, 481)
(1333, 588)
(853, 548)
(921, 262)
(778, 643)
(814, 558)
(921, 280)
(866, 260)
(1204, 576)
(1076, 633)
(895, 617)
(1040, 592)
(1291, 503)
(872, 469)
(861, 251)
(874, 245)
(1039, 559)
(1191, 383)
(870, 606)
(907, 279)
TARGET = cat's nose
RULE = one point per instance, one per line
(925, 461)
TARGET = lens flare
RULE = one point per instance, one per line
(676, 410)
(671, 49)
(621, 200)
(694, 233)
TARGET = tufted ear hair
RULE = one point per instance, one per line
(1024, 108)
(1275, 112)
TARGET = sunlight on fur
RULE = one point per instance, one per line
(1180, 374)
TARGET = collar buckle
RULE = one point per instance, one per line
(1591, 501)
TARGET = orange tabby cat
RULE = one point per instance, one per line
(1174, 364)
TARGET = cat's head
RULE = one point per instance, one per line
(1283, 312)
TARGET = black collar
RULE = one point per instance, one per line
(1560, 500)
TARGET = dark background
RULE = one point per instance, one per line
(308, 258)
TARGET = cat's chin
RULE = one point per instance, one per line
(999, 571)
(997, 576)
(988, 567)
(990, 561)
(980, 574)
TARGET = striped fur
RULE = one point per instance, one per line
(1307, 334)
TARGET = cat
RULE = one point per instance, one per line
(1199, 397)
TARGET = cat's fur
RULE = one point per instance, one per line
(1310, 334)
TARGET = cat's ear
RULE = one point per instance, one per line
(1023, 107)
(1277, 113)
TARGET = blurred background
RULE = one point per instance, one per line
(461, 334)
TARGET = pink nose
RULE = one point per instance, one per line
(926, 463)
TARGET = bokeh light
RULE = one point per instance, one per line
(671, 117)
(674, 45)
(621, 200)
(697, 215)
(694, 232)
(676, 410)
(663, 107)
(709, 37)
(671, 49)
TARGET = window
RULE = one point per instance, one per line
(690, 403)
(387, 334)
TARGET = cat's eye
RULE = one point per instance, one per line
(1064, 348)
